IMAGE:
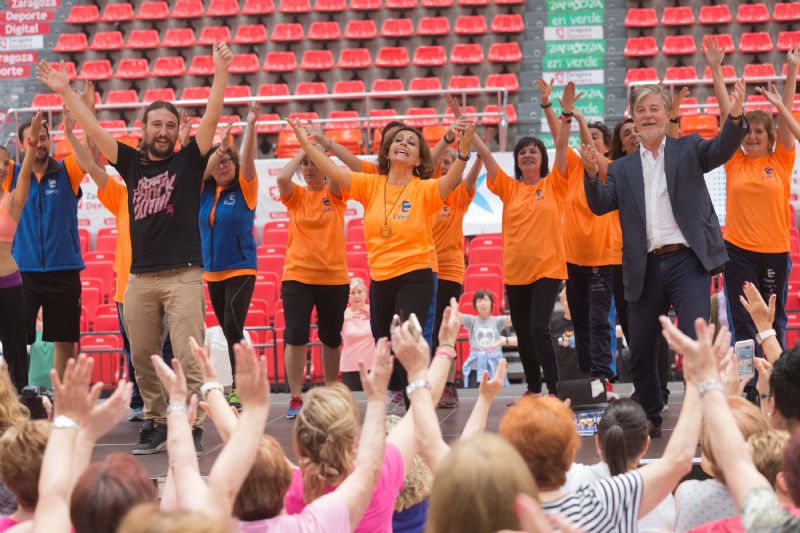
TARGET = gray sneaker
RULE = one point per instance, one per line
(395, 403)
(152, 439)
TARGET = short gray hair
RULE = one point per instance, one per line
(640, 91)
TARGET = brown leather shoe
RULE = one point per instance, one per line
(653, 430)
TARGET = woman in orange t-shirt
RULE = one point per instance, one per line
(399, 205)
(757, 212)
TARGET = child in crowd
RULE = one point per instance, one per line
(485, 337)
(357, 342)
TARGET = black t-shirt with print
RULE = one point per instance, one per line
(163, 202)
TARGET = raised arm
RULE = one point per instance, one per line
(82, 155)
(674, 125)
(600, 195)
(545, 89)
(567, 101)
(714, 55)
(453, 177)
(316, 134)
(19, 195)
(324, 163)
(284, 180)
(487, 392)
(248, 158)
(788, 125)
(184, 128)
(786, 135)
(763, 317)
(717, 151)
(223, 148)
(474, 171)
(214, 402)
(458, 125)
(223, 57)
(58, 82)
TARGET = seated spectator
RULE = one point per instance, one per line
(11, 413)
(486, 341)
(699, 502)
(358, 344)
(21, 451)
(411, 505)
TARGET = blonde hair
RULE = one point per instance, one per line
(149, 518)
(417, 483)
(476, 485)
(767, 451)
(749, 420)
(358, 282)
(22, 449)
(325, 435)
(12, 412)
(757, 116)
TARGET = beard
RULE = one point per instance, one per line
(41, 157)
(153, 150)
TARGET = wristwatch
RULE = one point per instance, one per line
(64, 422)
(205, 388)
(419, 384)
(761, 336)
(708, 385)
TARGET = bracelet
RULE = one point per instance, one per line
(177, 408)
(449, 141)
(64, 422)
(445, 345)
(451, 356)
(565, 114)
(545, 106)
(32, 144)
(675, 120)
(708, 385)
(205, 388)
(565, 119)
(737, 117)
(419, 384)
(466, 158)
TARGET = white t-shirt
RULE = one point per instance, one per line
(215, 339)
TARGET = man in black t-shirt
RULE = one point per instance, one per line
(163, 202)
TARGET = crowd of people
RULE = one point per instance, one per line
(626, 220)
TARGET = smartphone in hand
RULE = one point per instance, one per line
(745, 351)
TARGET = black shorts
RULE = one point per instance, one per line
(298, 300)
(58, 294)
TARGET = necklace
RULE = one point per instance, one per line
(386, 229)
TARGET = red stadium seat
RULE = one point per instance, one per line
(646, 74)
(269, 129)
(677, 16)
(471, 25)
(273, 89)
(223, 8)
(472, 270)
(274, 228)
(425, 84)
(485, 256)
(354, 58)
(401, 4)
(307, 88)
(365, 5)
(324, 31)
(422, 122)
(116, 127)
(728, 73)
(349, 87)
(393, 57)
(505, 52)
(83, 15)
(457, 83)
(357, 260)
(187, 9)
(397, 28)
(244, 64)
(237, 91)
(511, 112)
(508, 24)
(258, 7)
(132, 69)
(210, 35)
(643, 17)
(382, 85)
(437, 4)
(433, 26)
(430, 56)
(195, 93)
(287, 33)
(295, 7)
(755, 71)
(168, 67)
(360, 30)
(688, 111)
(96, 70)
(317, 60)
(712, 106)
(85, 238)
(466, 54)
(103, 270)
(280, 62)
(786, 12)
(288, 146)
(679, 45)
(108, 323)
(756, 102)
(178, 38)
(153, 11)
(128, 96)
(47, 100)
(352, 122)
(705, 125)
(641, 47)
(379, 118)
(755, 43)
(142, 39)
(680, 73)
(491, 282)
(250, 34)
(508, 80)
(330, 6)
(715, 15)
(71, 42)
(106, 40)
(152, 95)
(788, 40)
(473, 3)
(201, 66)
(752, 14)
(117, 12)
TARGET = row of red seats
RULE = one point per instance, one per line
(645, 17)
(680, 45)
(251, 34)
(751, 71)
(186, 9)
(312, 60)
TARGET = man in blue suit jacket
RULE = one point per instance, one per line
(672, 242)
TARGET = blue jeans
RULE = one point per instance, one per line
(427, 329)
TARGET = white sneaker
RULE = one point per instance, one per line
(395, 403)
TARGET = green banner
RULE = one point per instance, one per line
(589, 109)
(572, 63)
(575, 48)
(590, 18)
(549, 142)
(571, 6)
(590, 93)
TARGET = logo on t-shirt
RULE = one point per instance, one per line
(539, 196)
(230, 200)
(769, 173)
(326, 205)
(485, 337)
(51, 184)
(152, 195)
(405, 207)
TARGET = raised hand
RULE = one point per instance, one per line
(451, 324)
(568, 98)
(490, 388)
(712, 51)
(466, 137)
(223, 57)
(376, 381)
(453, 104)
(589, 158)
(252, 382)
(203, 360)
(764, 368)
(487, 135)
(88, 96)
(771, 94)
(544, 90)
(252, 114)
(104, 416)
(314, 131)
(699, 361)
(459, 125)
(763, 315)
(677, 101)
(56, 80)
(410, 350)
(793, 56)
(225, 140)
(173, 378)
(299, 132)
(184, 128)
(36, 126)
(737, 98)
(73, 397)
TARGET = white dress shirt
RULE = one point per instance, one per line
(660, 224)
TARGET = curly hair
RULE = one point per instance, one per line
(11, 411)
(418, 480)
(423, 170)
(22, 449)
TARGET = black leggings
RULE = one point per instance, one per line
(231, 300)
(12, 334)
(444, 291)
(405, 294)
(531, 308)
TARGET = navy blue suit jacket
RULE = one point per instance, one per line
(686, 160)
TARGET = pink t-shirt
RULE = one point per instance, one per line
(326, 514)
(6, 522)
(378, 517)
(357, 342)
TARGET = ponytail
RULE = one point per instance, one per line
(612, 442)
(623, 433)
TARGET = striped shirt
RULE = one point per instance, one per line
(606, 506)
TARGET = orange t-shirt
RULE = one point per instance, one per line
(448, 235)
(587, 237)
(757, 205)
(115, 198)
(74, 172)
(250, 193)
(533, 234)
(316, 250)
(410, 210)
(368, 167)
